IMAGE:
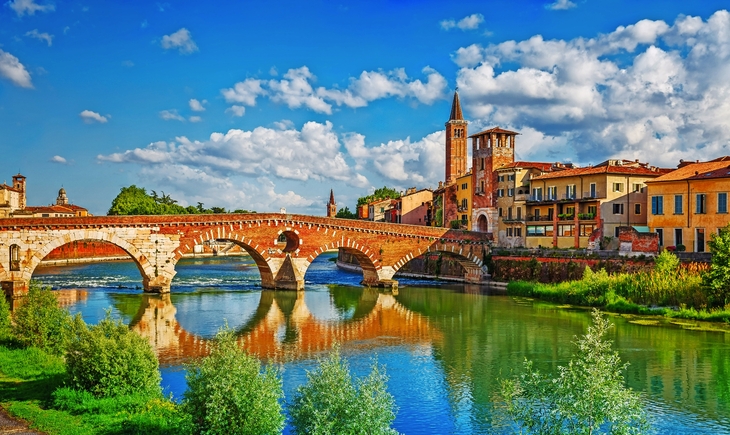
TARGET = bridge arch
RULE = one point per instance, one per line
(146, 269)
(365, 255)
(468, 256)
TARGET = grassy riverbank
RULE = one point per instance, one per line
(669, 290)
(31, 388)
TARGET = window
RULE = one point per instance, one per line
(660, 233)
(14, 259)
(464, 219)
(500, 193)
(570, 211)
(552, 192)
(615, 231)
(678, 204)
(464, 186)
(500, 212)
(592, 209)
(482, 187)
(464, 203)
(636, 187)
(678, 237)
(618, 209)
(700, 204)
(519, 213)
(592, 193)
(586, 229)
(510, 192)
(700, 239)
(518, 232)
(637, 208)
(509, 213)
(570, 191)
(537, 194)
(722, 202)
(657, 205)
(566, 230)
(500, 178)
(537, 214)
(511, 177)
(618, 187)
(509, 232)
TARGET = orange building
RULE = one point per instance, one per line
(690, 203)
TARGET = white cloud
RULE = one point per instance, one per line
(171, 115)
(13, 70)
(40, 36)
(312, 153)
(236, 110)
(195, 119)
(560, 5)
(650, 90)
(30, 7)
(296, 90)
(180, 40)
(90, 117)
(58, 159)
(470, 22)
(196, 105)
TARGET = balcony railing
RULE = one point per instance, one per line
(564, 197)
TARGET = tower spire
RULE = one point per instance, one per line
(456, 114)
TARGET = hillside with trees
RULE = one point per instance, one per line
(135, 200)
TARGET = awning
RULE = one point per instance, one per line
(641, 228)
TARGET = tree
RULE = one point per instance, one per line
(717, 279)
(108, 359)
(134, 200)
(345, 213)
(587, 397)
(228, 393)
(5, 317)
(382, 193)
(41, 322)
(329, 403)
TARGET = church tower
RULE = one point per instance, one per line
(456, 134)
(332, 206)
(62, 199)
(19, 185)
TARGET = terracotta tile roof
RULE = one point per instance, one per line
(545, 167)
(494, 130)
(456, 114)
(51, 209)
(606, 169)
(694, 171)
(11, 188)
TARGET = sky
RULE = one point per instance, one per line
(264, 105)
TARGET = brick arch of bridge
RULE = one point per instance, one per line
(146, 269)
(253, 247)
(365, 255)
(469, 256)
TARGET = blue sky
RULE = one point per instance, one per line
(262, 105)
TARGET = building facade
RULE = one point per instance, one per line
(569, 207)
(689, 204)
(464, 197)
(413, 207)
(12, 198)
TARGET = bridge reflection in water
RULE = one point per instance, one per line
(283, 328)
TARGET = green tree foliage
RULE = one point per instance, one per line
(666, 264)
(329, 403)
(5, 324)
(717, 279)
(345, 213)
(108, 359)
(135, 200)
(41, 322)
(382, 193)
(588, 396)
(229, 394)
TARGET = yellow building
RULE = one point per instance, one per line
(464, 200)
(414, 205)
(513, 190)
(12, 198)
(571, 206)
(690, 203)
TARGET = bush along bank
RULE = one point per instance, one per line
(669, 289)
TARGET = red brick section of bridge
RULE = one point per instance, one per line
(282, 245)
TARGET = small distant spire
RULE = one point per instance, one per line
(456, 114)
(332, 196)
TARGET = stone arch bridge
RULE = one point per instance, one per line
(282, 245)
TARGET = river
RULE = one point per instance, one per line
(445, 348)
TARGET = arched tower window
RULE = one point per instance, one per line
(14, 258)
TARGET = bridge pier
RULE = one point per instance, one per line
(382, 278)
(15, 288)
(288, 273)
(156, 284)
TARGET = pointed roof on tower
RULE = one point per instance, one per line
(456, 114)
(332, 196)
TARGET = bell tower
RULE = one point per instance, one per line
(19, 185)
(331, 205)
(456, 134)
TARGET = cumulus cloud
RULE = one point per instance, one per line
(58, 159)
(196, 105)
(90, 117)
(470, 22)
(195, 119)
(560, 5)
(29, 7)
(171, 115)
(236, 110)
(650, 90)
(40, 36)
(312, 153)
(296, 90)
(13, 70)
(181, 41)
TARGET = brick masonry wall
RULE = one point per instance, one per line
(551, 270)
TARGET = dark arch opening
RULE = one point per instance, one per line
(289, 240)
(482, 224)
(434, 264)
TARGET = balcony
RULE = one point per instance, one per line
(539, 218)
(564, 197)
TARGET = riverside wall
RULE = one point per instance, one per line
(434, 265)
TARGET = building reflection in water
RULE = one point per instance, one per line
(284, 328)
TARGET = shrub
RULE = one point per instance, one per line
(108, 359)
(587, 397)
(717, 279)
(5, 324)
(329, 403)
(227, 392)
(41, 322)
